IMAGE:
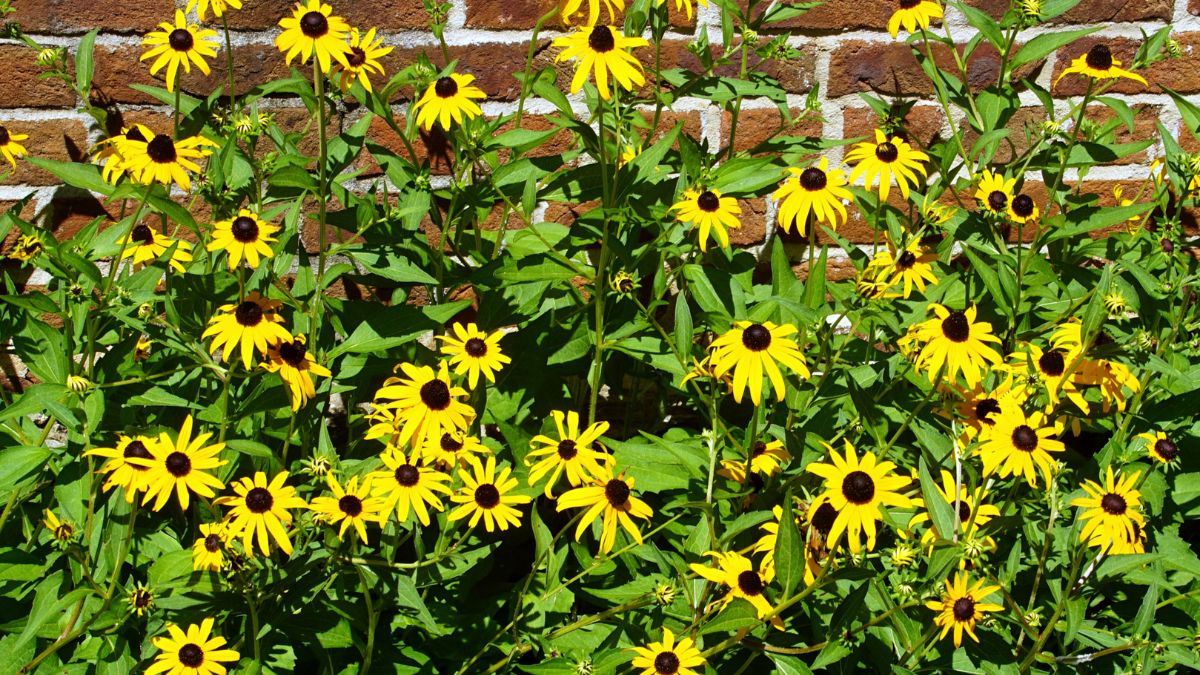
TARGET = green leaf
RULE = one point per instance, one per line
(47, 604)
(20, 462)
(815, 282)
(85, 64)
(535, 268)
(745, 176)
(737, 615)
(941, 513)
(789, 550)
(408, 597)
(1145, 615)
(849, 607)
(1041, 46)
(683, 326)
(75, 174)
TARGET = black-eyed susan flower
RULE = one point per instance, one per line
(856, 489)
(1050, 367)
(1112, 379)
(1160, 448)
(1020, 445)
(979, 405)
(971, 516)
(407, 484)
(735, 571)
(953, 342)
(10, 146)
(260, 510)
(452, 449)
(194, 652)
(208, 552)
(913, 14)
(961, 606)
(61, 529)
(219, 7)
(352, 505)
(704, 369)
(1098, 63)
(569, 8)
(291, 361)
(889, 158)
(108, 151)
(251, 325)
(181, 44)
(182, 466)
(487, 496)
(994, 192)
(244, 236)
(685, 6)
(314, 28)
(26, 248)
(1112, 512)
(141, 350)
(604, 50)
(1068, 336)
(611, 497)
(419, 406)
(576, 453)
(708, 210)
(449, 98)
(145, 245)
(912, 266)
(132, 477)
(1022, 209)
(766, 459)
(622, 283)
(751, 350)
(668, 657)
(473, 351)
(164, 160)
(363, 60)
(140, 599)
(816, 190)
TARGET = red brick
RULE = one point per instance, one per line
(20, 86)
(754, 223)
(796, 75)
(364, 14)
(64, 140)
(835, 17)
(1177, 74)
(1095, 11)
(757, 125)
(1194, 7)
(922, 125)
(1145, 119)
(492, 64)
(524, 15)
(77, 16)
(890, 68)
(432, 147)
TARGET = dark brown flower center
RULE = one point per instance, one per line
(350, 505)
(1113, 504)
(986, 408)
(858, 487)
(601, 39)
(450, 443)
(813, 179)
(259, 500)
(142, 235)
(134, 135)
(909, 4)
(964, 512)
(1166, 449)
(666, 663)
(314, 24)
(567, 449)
(138, 450)
(758, 449)
(293, 353)
(1022, 205)
(356, 57)
(625, 285)
(64, 531)
(244, 229)
(475, 347)
(445, 87)
(407, 475)
(707, 201)
(487, 496)
(956, 328)
(750, 583)
(191, 655)
(4, 135)
(1024, 438)
(906, 260)
(178, 464)
(248, 313)
(1100, 57)
(142, 599)
(886, 152)
(435, 394)
(617, 492)
(1052, 363)
(212, 543)
(997, 200)
(181, 40)
(756, 337)
(822, 519)
(964, 609)
(161, 149)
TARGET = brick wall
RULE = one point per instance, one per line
(843, 47)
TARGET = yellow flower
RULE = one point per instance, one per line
(196, 652)
(735, 571)
(816, 190)
(912, 265)
(145, 245)
(572, 452)
(766, 458)
(610, 497)
(995, 192)
(363, 59)
(1113, 511)
(208, 552)
(218, 7)
(9, 147)
(857, 489)
(952, 342)
(1099, 64)
(253, 324)
(454, 448)
(260, 508)
(109, 153)
(408, 484)
(313, 28)
(1050, 367)
(132, 477)
(685, 6)
(602, 49)
(449, 98)
(290, 359)
(970, 517)
(489, 497)
(1160, 448)
(182, 44)
(140, 599)
(163, 160)
(708, 210)
(668, 657)
(26, 248)
(569, 8)
(181, 466)
(244, 236)
(913, 14)
(1022, 209)
(422, 406)
(62, 530)
(473, 351)
(352, 505)
(960, 606)
(752, 349)
(888, 159)
(1020, 444)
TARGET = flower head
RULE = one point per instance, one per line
(857, 489)
(128, 464)
(145, 245)
(313, 28)
(251, 325)
(10, 148)
(407, 484)
(961, 606)
(818, 191)
(952, 342)
(708, 210)
(182, 466)
(578, 454)
(752, 350)
(889, 158)
(995, 192)
(610, 497)
(181, 44)
(473, 351)
(449, 98)
(913, 14)
(363, 60)
(419, 406)
(1112, 517)
(290, 359)
(218, 7)
(194, 652)
(1020, 444)
(1098, 63)
(208, 552)
(602, 49)
(351, 505)
(487, 496)
(162, 159)
(260, 510)
(244, 236)
(736, 572)
(668, 657)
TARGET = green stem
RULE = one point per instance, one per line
(229, 60)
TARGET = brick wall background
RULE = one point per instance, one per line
(844, 48)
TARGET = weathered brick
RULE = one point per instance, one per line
(1177, 74)
(492, 64)
(756, 125)
(432, 147)
(754, 223)
(922, 125)
(73, 16)
(525, 15)
(364, 14)
(1094, 11)
(890, 68)
(60, 139)
(836, 17)
(20, 86)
